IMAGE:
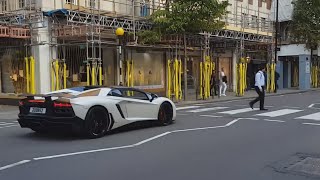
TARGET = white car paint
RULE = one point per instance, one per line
(133, 109)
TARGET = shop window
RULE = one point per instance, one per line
(148, 69)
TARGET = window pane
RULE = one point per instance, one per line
(148, 69)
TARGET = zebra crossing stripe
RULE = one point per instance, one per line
(279, 112)
(206, 109)
(187, 107)
(237, 111)
(315, 116)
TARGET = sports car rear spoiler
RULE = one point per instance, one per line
(48, 98)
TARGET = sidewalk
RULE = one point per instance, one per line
(231, 96)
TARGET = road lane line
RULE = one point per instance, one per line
(183, 114)
(315, 116)
(206, 109)
(8, 126)
(14, 164)
(313, 124)
(195, 129)
(273, 120)
(238, 111)
(82, 152)
(4, 124)
(211, 116)
(281, 112)
(187, 107)
(152, 138)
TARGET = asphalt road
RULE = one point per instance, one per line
(224, 141)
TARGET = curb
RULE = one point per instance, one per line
(183, 103)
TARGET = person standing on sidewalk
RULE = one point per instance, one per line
(223, 82)
(260, 88)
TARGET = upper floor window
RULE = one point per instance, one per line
(73, 2)
(263, 24)
(4, 6)
(92, 3)
(21, 4)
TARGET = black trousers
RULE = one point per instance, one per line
(260, 97)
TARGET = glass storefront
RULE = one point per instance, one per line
(148, 69)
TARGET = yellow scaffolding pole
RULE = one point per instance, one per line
(201, 79)
(27, 74)
(57, 74)
(32, 69)
(64, 75)
(88, 74)
(100, 75)
(169, 79)
(180, 79)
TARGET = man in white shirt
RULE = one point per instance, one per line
(259, 87)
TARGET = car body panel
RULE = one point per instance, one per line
(124, 110)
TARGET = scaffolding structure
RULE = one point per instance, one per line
(79, 29)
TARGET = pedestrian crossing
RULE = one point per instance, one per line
(284, 112)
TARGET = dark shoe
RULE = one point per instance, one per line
(251, 105)
(263, 109)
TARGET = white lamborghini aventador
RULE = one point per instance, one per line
(93, 110)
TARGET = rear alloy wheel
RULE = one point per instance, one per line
(165, 114)
(97, 122)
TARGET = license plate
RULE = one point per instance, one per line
(37, 110)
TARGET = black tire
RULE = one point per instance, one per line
(97, 122)
(165, 114)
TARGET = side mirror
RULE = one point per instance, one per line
(153, 96)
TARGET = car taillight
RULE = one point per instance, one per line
(61, 105)
(20, 103)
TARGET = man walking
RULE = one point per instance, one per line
(259, 87)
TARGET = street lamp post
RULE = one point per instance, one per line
(120, 33)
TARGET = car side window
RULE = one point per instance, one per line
(115, 92)
(135, 95)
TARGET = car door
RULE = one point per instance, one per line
(139, 106)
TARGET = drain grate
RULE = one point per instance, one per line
(300, 164)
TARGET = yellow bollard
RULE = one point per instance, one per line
(27, 74)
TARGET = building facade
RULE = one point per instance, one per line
(73, 43)
(294, 60)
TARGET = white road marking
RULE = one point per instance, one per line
(8, 126)
(273, 120)
(195, 129)
(82, 152)
(315, 116)
(14, 164)
(152, 138)
(279, 112)
(232, 122)
(4, 124)
(237, 111)
(211, 116)
(187, 107)
(313, 124)
(311, 105)
(206, 109)
(183, 114)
